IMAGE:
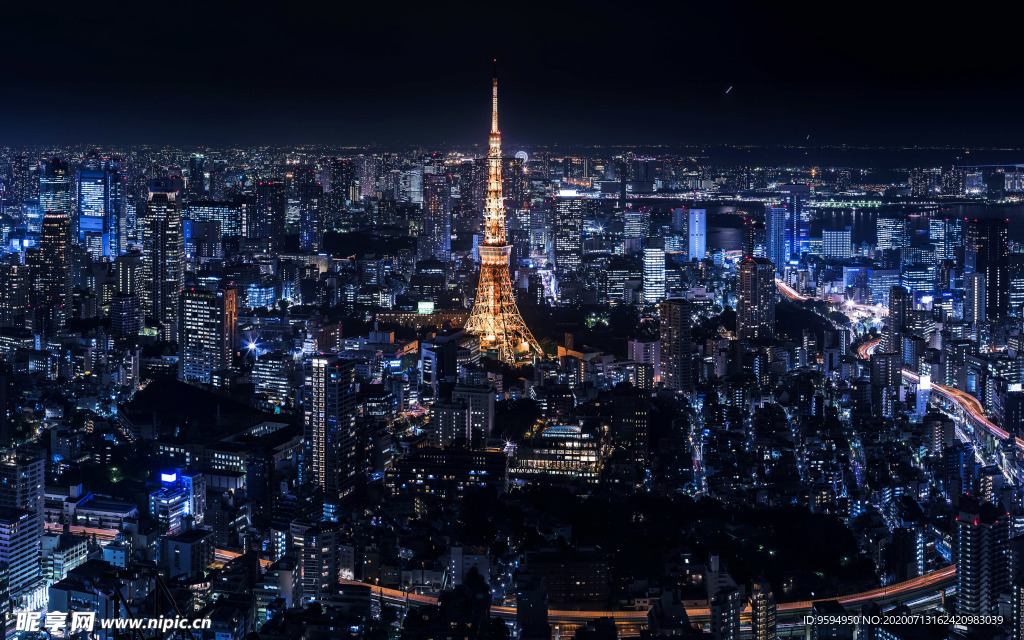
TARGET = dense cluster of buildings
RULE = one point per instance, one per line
(248, 386)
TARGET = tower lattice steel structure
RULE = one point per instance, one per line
(495, 317)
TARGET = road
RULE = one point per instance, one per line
(911, 589)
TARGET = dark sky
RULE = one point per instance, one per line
(571, 72)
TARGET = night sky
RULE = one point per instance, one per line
(590, 72)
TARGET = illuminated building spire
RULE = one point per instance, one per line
(495, 317)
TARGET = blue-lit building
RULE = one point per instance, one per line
(775, 236)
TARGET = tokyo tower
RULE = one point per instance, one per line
(495, 317)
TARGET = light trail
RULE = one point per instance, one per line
(865, 350)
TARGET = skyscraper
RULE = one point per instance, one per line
(437, 217)
(495, 318)
(974, 298)
(654, 270)
(98, 222)
(986, 251)
(755, 299)
(311, 209)
(55, 274)
(21, 522)
(762, 612)
(676, 350)
(329, 412)
(268, 220)
(775, 236)
(891, 232)
(206, 332)
(837, 243)
(568, 231)
(697, 231)
(55, 188)
(795, 198)
(164, 256)
(982, 556)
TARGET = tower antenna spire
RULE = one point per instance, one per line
(494, 99)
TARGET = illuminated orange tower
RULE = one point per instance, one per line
(495, 317)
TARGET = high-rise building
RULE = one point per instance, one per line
(437, 217)
(636, 223)
(197, 176)
(269, 212)
(974, 297)
(890, 232)
(725, 614)
(982, 557)
(329, 409)
(206, 329)
(55, 188)
(164, 255)
(55, 274)
(311, 208)
(654, 270)
(21, 525)
(755, 299)
(568, 211)
(125, 317)
(15, 294)
(697, 231)
(775, 236)
(837, 243)
(797, 236)
(128, 269)
(755, 239)
(762, 612)
(101, 203)
(676, 350)
(232, 216)
(986, 251)
(495, 318)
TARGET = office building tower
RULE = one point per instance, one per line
(231, 216)
(310, 194)
(762, 612)
(437, 217)
(953, 181)
(207, 328)
(164, 252)
(126, 319)
(755, 299)
(754, 239)
(796, 198)
(269, 212)
(19, 548)
(197, 177)
(974, 298)
(370, 168)
(920, 183)
(101, 202)
(568, 211)
(680, 220)
(726, 606)
(654, 270)
(55, 188)
(837, 243)
(697, 232)
(636, 223)
(16, 285)
(982, 556)
(775, 236)
(54, 277)
(329, 410)
(676, 349)
(890, 232)
(986, 251)
(21, 525)
(129, 271)
(940, 239)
